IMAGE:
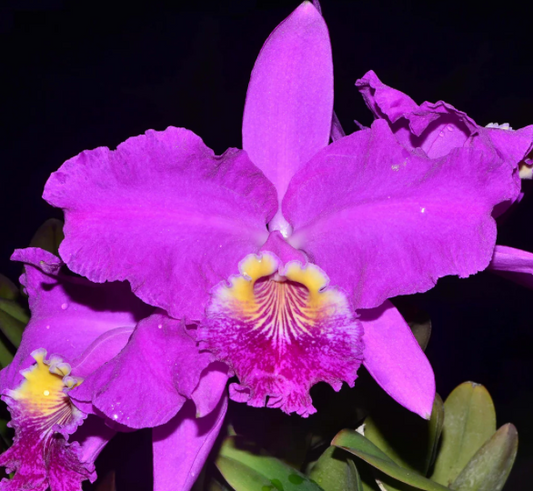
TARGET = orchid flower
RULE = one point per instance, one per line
(76, 327)
(87, 324)
(284, 254)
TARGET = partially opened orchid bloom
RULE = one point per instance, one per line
(437, 128)
(283, 254)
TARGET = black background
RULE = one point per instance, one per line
(77, 75)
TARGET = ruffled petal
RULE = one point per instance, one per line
(146, 384)
(163, 212)
(513, 264)
(289, 104)
(282, 330)
(182, 445)
(383, 221)
(67, 313)
(438, 127)
(43, 418)
(396, 361)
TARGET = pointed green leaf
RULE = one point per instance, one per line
(354, 476)
(363, 448)
(48, 236)
(470, 420)
(240, 476)
(436, 423)
(332, 471)
(490, 467)
(8, 289)
(248, 468)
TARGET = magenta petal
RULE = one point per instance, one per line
(147, 383)
(182, 445)
(384, 101)
(163, 212)
(210, 388)
(289, 104)
(67, 313)
(383, 221)
(513, 264)
(396, 361)
(438, 127)
(92, 437)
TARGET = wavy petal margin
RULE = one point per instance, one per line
(163, 212)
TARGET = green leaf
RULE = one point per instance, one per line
(12, 308)
(13, 320)
(405, 437)
(335, 471)
(48, 236)
(354, 476)
(470, 420)
(6, 356)
(436, 423)
(248, 468)
(490, 467)
(8, 289)
(241, 476)
(363, 448)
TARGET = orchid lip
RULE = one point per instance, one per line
(43, 417)
(282, 329)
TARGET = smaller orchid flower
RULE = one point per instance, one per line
(73, 324)
(76, 329)
(284, 254)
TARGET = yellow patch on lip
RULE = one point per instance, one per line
(252, 268)
(311, 277)
(292, 300)
(43, 387)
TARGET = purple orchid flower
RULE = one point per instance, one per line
(285, 253)
(87, 324)
(77, 327)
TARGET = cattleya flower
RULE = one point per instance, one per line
(57, 442)
(88, 324)
(285, 254)
(279, 259)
